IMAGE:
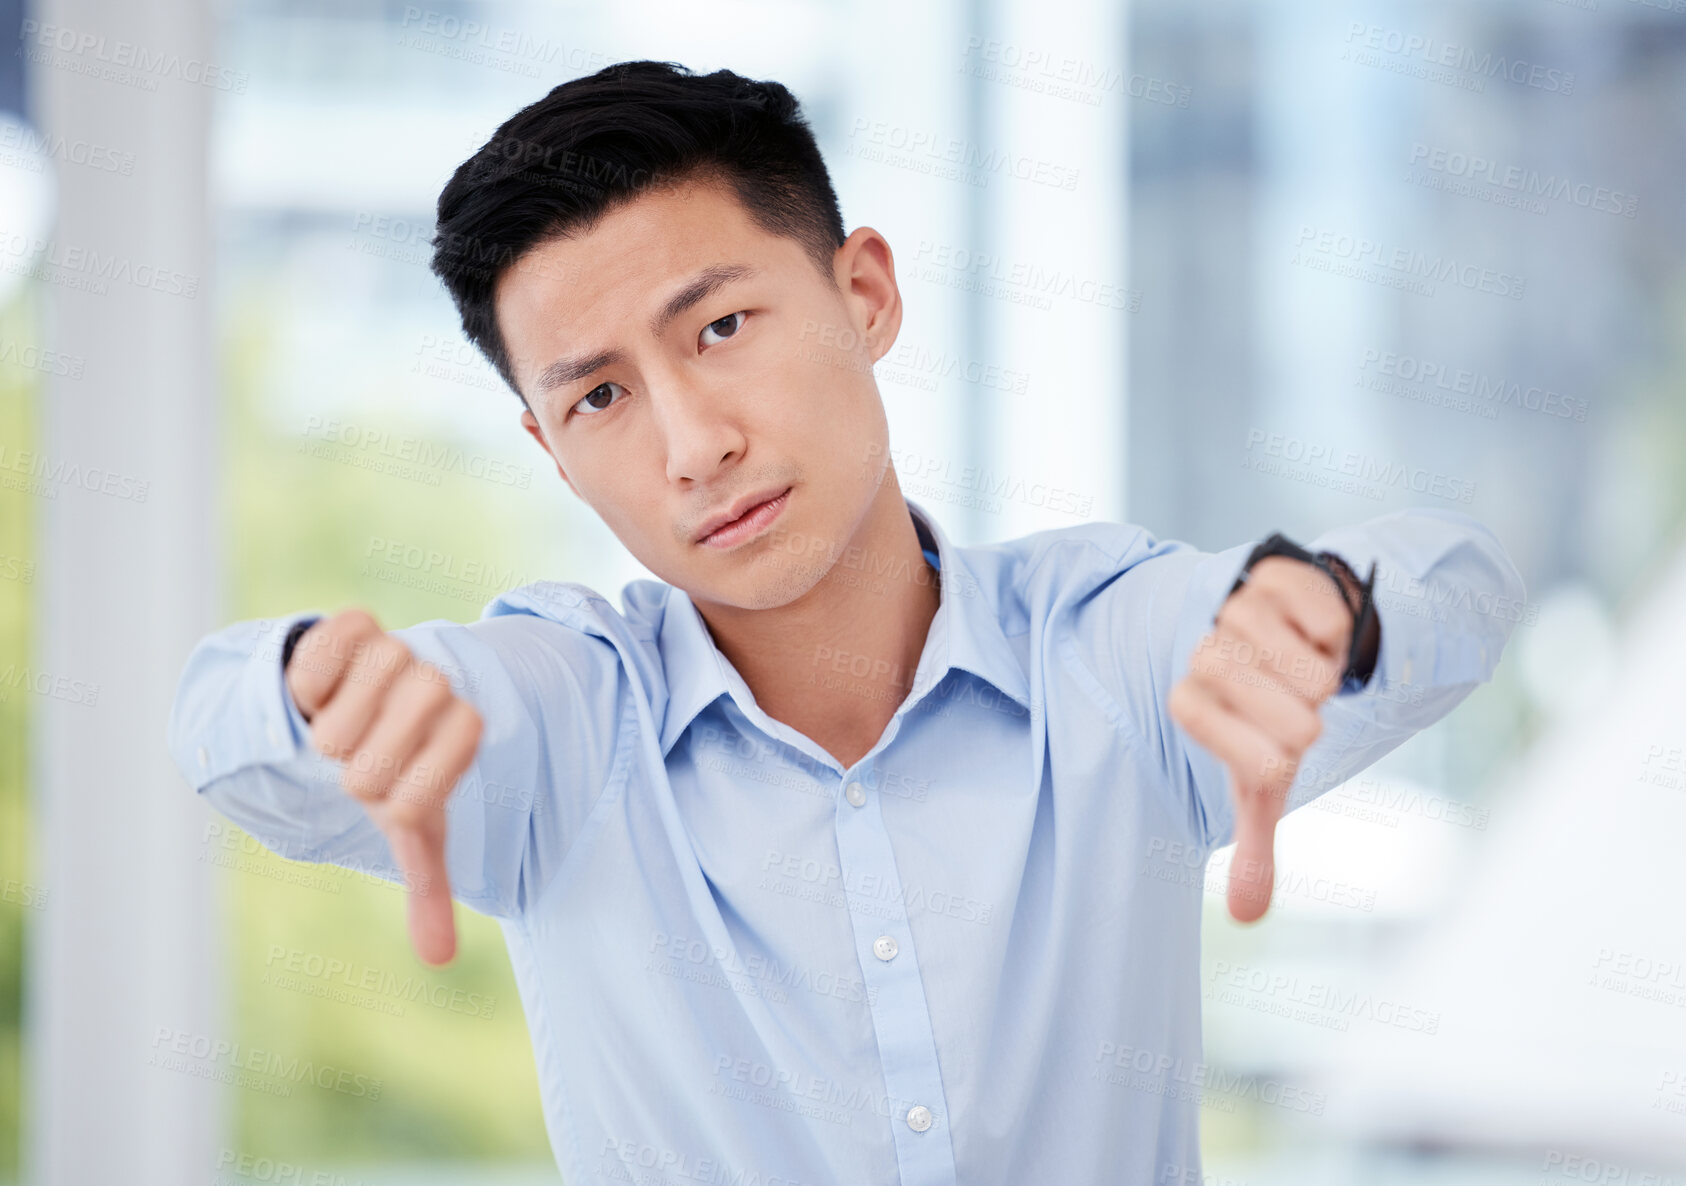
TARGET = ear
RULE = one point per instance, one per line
(866, 276)
(531, 424)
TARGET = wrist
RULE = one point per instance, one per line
(293, 636)
(1364, 639)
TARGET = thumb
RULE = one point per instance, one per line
(420, 853)
(1252, 871)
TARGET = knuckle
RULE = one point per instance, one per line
(1311, 730)
(328, 736)
(1326, 677)
(1242, 613)
(469, 720)
(355, 622)
(379, 659)
(432, 694)
(360, 786)
(1180, 701)
(389, 652)
(426, 780)
(406, 812)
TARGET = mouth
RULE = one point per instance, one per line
(745, 521)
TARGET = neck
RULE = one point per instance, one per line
(837, 662)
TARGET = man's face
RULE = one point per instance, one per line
(759, 384)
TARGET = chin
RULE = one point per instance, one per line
(769, 580)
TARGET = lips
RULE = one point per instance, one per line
(738, 512)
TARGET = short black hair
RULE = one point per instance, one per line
(596, 142)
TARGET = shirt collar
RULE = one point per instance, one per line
(965, 633)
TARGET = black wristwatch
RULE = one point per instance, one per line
(1354, 593)
(299, 627)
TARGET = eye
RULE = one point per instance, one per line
(725, 327)
(589, 405)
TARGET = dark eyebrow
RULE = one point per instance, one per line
(698, 289)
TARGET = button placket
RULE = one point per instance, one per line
(895, 992)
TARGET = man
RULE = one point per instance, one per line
(841, 853)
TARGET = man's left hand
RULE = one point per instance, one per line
(1251, 697)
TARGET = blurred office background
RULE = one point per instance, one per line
(1218, 268)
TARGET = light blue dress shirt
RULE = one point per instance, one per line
(970, 957)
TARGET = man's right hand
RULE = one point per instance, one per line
(405, 739)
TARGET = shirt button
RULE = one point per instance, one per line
(274, 735)
(884, 947)
(854, 794)
(919, 1118)
(204, 756)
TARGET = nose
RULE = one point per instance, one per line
(698, 428)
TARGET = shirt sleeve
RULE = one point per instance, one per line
(550, 700)
(1447, 596)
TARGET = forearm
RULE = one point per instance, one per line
(245, 747)
(239, 740)
(1447, 597)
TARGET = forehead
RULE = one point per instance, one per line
(594, 288)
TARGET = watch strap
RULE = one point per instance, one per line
(1358, 600)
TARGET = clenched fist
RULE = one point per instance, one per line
(405, 738)
(1251, 697)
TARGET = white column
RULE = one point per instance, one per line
(1059, 110)
(126, 584)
